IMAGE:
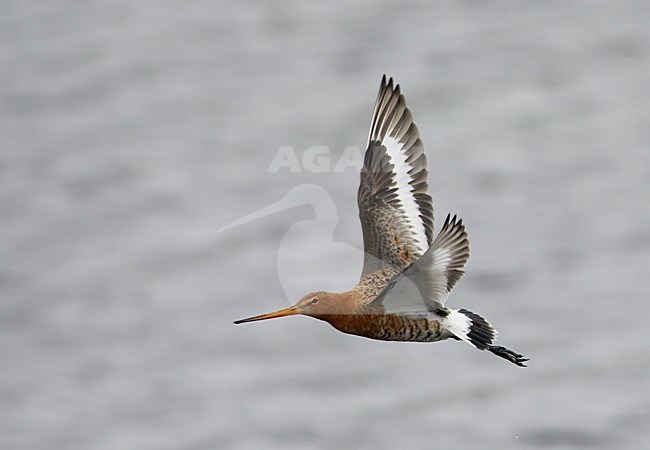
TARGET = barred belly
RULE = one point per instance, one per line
(388, 327)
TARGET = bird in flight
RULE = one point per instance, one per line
(407, 275)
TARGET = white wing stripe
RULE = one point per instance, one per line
(404, 190)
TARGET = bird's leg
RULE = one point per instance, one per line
(511, 356)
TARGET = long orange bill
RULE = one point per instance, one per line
(290, 311)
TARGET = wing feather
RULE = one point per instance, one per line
(395, 210)
(425, 285)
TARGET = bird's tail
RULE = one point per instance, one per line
(471, 328)
(476, 331)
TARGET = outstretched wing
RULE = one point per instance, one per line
(395, 210)
(425, 285)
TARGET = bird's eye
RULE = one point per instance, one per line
(314, 301)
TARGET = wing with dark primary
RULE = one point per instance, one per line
(425, 285)
(395, 210)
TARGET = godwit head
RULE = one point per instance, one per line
(319, 305)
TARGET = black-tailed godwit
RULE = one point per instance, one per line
(407, 276)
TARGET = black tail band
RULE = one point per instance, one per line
(481, 333)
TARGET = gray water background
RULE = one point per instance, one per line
(131, 131)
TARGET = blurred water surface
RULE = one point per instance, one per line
(131, 131)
